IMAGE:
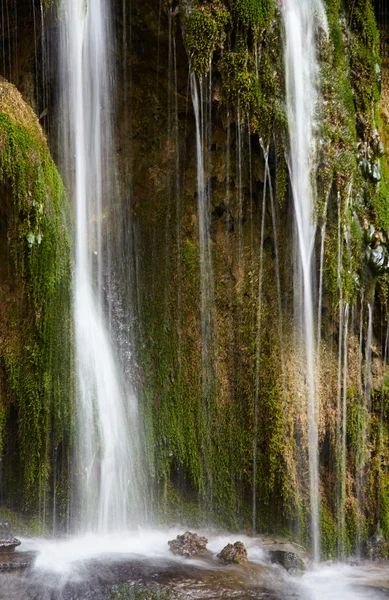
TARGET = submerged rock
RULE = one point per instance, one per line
(233, 553)
(189, 544)
(16, 561)
(289, 560)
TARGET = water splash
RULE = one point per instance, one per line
(301, 19)
(107, 453)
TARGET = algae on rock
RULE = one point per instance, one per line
(35, 314)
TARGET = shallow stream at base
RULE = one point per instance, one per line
(138, 565)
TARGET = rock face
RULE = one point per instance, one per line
(35, 303)
(233, 553)
(376, 548)
(289, 560)
(189, 545)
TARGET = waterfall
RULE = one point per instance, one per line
(107, 438)
(320, 302)
(343, 448)
(301, 18)
(207, 298)
(258, 352)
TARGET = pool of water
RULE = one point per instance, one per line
(122, 566)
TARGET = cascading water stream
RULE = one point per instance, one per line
(321, 273)
(360, 457)
(301, 18)
(258, 353)
(343, 451)
(107, 439)
(203, 120)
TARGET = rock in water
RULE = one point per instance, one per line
(289, 560)
(233, 553)
(7, 541)
(189, 544)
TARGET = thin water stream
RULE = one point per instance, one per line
(106, 453)
(301, 20)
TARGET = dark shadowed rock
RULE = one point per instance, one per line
(376, 548)
(289, 560)
(233, 553)
(189, 544)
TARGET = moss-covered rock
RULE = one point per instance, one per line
(35, 301)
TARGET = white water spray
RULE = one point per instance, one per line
(107, 439)
(301, 19)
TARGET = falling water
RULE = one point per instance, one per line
(202, 119)
(369, 338)
(258, 354)
(106, 413)
(343, 452)
(339, 497)
(301, 18)
(321, 273)
(361, 421)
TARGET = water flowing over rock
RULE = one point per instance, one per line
(301, 20)
(107, 448)
(289, 560)
(8, 542)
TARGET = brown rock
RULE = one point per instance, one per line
(233, 553)
(189, 544)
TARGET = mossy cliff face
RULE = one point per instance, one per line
(239, 458)
(36, 327)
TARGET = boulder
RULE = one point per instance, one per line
(233, 553)
(8, 542)
(289, 560)
(189, 545)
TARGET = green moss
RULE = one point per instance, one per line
(281, 177)
(364, 60)
(22, 525)
(205, 30)
(328, 534)
(240, 83)
(138, 592)
(253, 15)
(38, 360)
(190, 254)
(253, 85)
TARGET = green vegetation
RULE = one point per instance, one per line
(205, 28)
(253, 14)
(234, 455)
(138, 592)
(36, 345)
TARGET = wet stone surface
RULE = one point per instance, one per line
(13, 561)
(109, 579)
(233, 553)
(8, 542)
(189, 545)
(289, 560)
